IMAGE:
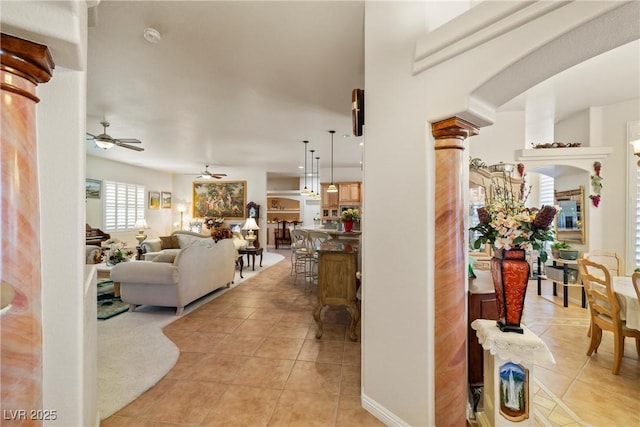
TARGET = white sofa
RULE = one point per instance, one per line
(196, 271)
(157, 246)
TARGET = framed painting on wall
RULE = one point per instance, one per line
(154, 200)
(165, 200)
(226, 199)
(92, 188)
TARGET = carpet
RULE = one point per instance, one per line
(108, 304)
(134, 354)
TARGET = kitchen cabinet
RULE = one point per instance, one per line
(349, 193)
(329, 204)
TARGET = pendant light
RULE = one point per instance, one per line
(305, 191)
(311, 192)
(332, 188)
(318, 180)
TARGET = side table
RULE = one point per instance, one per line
(508, 374)
(251, 253)
(103, 271)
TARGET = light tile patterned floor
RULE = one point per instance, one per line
(250, 358)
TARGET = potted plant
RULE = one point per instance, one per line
(555, 248)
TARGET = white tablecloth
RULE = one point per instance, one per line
(629, 305)
(518, 348)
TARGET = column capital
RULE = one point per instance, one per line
(453, 128)
(28, 60)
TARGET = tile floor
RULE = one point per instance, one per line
(250, 358)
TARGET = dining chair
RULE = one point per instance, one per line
(611, 260)
(301, 253)
(316, 238)
(605, 310)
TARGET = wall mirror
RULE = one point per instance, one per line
(570, 221)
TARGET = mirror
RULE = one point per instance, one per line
(570, 220)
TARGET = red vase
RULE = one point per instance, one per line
(348, 225)
(510, 271)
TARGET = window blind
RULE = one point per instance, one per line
(123, 205)
(547, 185)
(637, 217)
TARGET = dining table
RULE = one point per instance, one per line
(628, 299)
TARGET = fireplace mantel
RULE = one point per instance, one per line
(579, 157)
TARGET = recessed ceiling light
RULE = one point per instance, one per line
(346, 135)
(362, 143)
(300, 167)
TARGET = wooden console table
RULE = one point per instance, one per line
(337, 284)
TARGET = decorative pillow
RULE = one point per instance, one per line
(169, 242)
(165, 258)
(187, 240)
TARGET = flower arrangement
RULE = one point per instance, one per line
(213, 222)
(506, 223)
(116, 252)
(350, 215)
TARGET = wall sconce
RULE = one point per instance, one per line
(636, 148)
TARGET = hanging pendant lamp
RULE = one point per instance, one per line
(317, 197)
(305, 191)
(332, 188)
(311, 192)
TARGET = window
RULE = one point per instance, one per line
(123, 205)
(546, 190)
(637, 221)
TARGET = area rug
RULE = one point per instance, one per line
(108, 304)
(134, 354)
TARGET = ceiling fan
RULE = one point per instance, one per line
(105, 141)
(206, 174)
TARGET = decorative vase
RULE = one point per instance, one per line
(348, 225)
(510, 271)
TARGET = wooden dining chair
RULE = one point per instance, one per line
(605, 310)
(611, 260)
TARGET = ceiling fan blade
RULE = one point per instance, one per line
(218, 175)
(132, 147)
(129, 140)
(90, 137)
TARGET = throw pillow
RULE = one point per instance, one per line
(169, 242)
(165, 258)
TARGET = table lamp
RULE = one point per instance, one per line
(250, 225)
(141, 225)
(181, 209)
(636, 148)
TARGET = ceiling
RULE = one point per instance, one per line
(244, 83)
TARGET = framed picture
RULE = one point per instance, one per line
(165, 200)
(226, 199)
(92, 188)
(154, 200)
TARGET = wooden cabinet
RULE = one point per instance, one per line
(481, 306)
(349, 193)
(337, 284)
(329, 203)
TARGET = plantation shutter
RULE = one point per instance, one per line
(637, 217)
(124, 204)
(546, 190)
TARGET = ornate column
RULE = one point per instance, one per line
(450, 271)
(23, 65)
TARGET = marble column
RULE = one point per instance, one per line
(450, 271)
(23, 64)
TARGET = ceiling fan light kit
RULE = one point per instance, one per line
(106, 142)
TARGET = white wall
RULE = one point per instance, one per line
(160, 220)
(256, 179)
(69, 355)
(498, 142)
(573, 129)
(397, 325)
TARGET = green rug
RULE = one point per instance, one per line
(108, 305)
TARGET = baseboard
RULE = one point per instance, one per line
(380, 412)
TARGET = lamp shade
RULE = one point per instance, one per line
(250, 224)
(636, 146)
(141, 224)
